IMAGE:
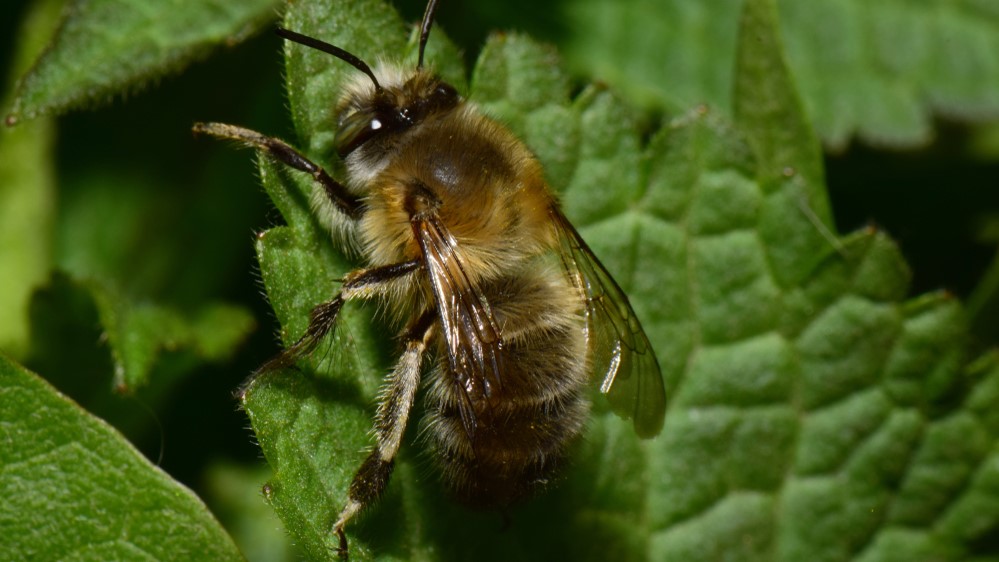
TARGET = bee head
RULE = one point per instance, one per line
(384, 109)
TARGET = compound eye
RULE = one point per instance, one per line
(446, 92)
(356, 129)
(442, 98)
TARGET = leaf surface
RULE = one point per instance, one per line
(27, 193)
(878, 71)
(75, 489)
(135, 332)
(815, 413)
(105, 47)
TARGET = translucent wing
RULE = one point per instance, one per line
(617, 345)
(474, 344)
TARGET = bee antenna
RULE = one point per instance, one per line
(428, 20)
(337, 52)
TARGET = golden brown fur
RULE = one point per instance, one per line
(467, 248)
(488, 192)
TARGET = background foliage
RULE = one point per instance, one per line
(126, 251)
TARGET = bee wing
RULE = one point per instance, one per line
(616, 344)
(473, 339)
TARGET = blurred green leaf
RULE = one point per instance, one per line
(26, 204)
(234, 491)
(106, 47)
(878, 71)
(135, 332)
(76, 489)
(26, 195)
(984, 143)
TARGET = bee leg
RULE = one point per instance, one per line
(286, 154)
(395, 402)
(362, 283)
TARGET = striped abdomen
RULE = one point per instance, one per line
(522, 433)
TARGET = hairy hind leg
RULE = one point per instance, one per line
(395, 403)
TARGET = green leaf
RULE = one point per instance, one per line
(106, 47)
(878, 71)
(829, 422)
(74, 488)
(983, 303)
(286, 407)
(26, 197)
(135, 332)
(795, 217)
(814, 414)
(234, 491)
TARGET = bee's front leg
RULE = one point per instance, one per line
(283, 152)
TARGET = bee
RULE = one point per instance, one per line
(466, 245)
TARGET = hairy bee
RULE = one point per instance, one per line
(464, 240)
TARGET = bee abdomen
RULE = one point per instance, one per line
(522, 433)
(509, 460)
